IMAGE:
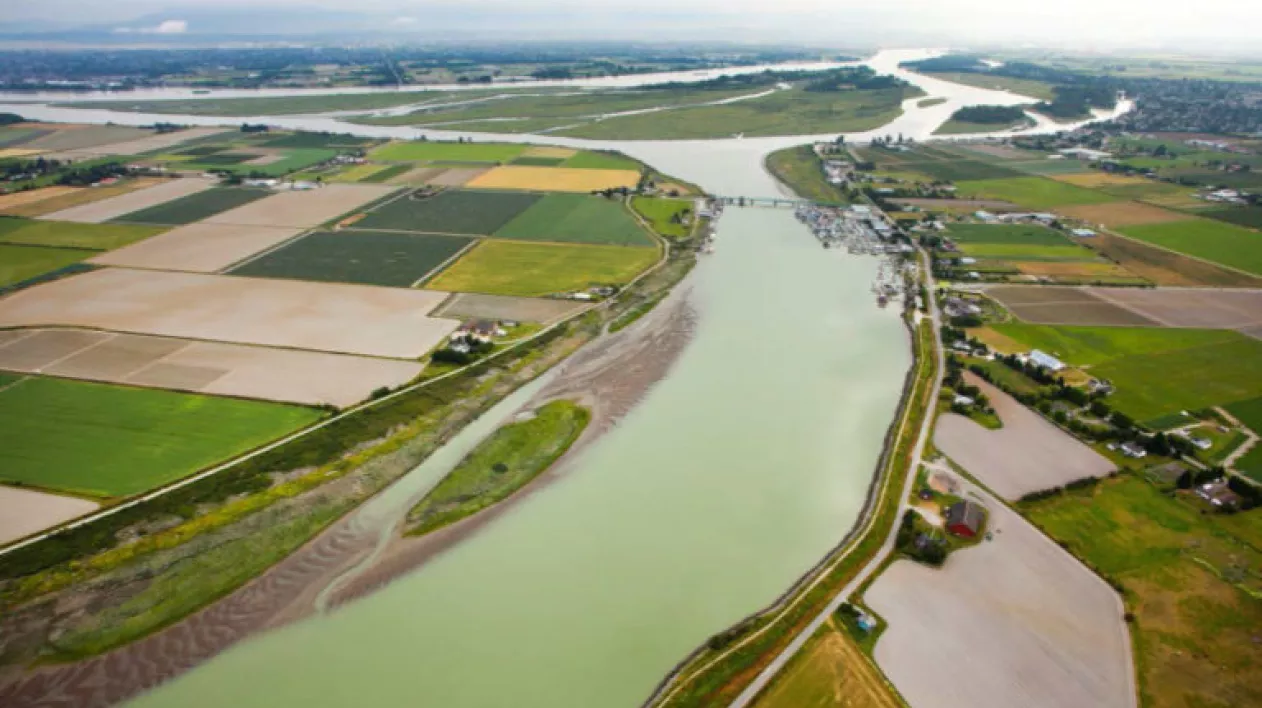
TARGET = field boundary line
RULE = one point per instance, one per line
(319, 425)
(1207, 261)
(441, 267)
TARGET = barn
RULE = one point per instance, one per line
(965, 518)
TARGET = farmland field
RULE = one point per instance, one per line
(661, 213)
(1250, 413)
(828, 666)
(1249, 217)
(1167, 267)
(1089, 346)
(958, 170)
(1183, 572)
(110, 441)
(1031, 192)
(387, 174)
(449, 152)
(1122, 213)
(315, 140)
(194, 207)
(591, 159)
(555, 179)
(535, 269)
(450, 212)
(18, 263)
(1215, 241)
(366, 257)
(63, 234)
(576, 218)
(126, 201)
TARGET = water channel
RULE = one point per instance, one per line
(735, 474)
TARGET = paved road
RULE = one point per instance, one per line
(764, 678)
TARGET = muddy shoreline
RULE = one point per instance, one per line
(610, 375)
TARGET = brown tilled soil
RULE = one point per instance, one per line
(455, 176)
(20, 199)
(304, 208)
(27, 511)
(1167, 267)
(114, 207)
(1212, 309)
(200, 248)
(351, 319)
(157, 141)
(1065, 305)
(78, 196)
(1121, 214)
(505, 307)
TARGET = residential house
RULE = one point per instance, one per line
(1133, 450)
(1219, 494)
(1082, 233)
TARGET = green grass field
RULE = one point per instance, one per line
(500, 465)
(450, 212)
(1250, 413)
(388, 173)
(799, 169)
(18, 263)
(316, 140)
(1031, 192)
(536, 269)
(450, 152)
(113, 441)
(67, 234)
(1248, 217)
(601, 161)
(1186, 576)
(195, 207)
(576, 218)
(1215, 241)
(294, 160)
(958, 169)
(352, 256)
(1091, 346)
(665, 215)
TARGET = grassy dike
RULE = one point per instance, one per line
(716, 673)
(173, 555)
(500, 465)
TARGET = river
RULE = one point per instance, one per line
(736, 473)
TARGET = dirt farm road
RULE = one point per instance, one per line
(764, 678)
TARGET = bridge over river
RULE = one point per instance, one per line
(773, 202)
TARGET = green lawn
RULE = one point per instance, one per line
(450, 152)
(1017, 242)
(1031, 192)
(1091, 346)
(1250, 413)
(353, 256)
(500, 465)
(451, 212)
(195, 207)
(535, 269)
(18, 263)
(67, 234)
(1228, 244)
(577, 218)
(601, 161)
(1184, 575)
(665, 215)
(113, 441)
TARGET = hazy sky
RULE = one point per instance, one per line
(1083, 23)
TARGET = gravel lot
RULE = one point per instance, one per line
(26, 511)
(302, 209)
(1026, 455)
(1015, 621)
(114, 207)
(199, 247)
(352, 319)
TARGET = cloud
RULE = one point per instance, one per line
(403, 21)
(164, 27)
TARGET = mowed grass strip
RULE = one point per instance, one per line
(67, 234)
(113, 441)
(450, 212)
(364, 257)
(576, 218)
(535, 269)
(1030, 192)
(450, 152)
(665, 215)
(195, 207)
(18, 263)
(1227, 244)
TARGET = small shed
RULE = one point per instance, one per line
(965, 518)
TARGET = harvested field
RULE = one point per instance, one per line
(455, 176)
(549, 151)
(26, 511)
(77, 196)
(200, 248)
(1121, 214)
(1013, 621)
(155, 142)
(366, 257)
(114, 207)
(282, 375)
(536, 269)
(81, 137)
(1167, 267)
(959, 205)
(1092, 180)
(418, 175)
(19, 263)
(449, 212)
(1075, 270)
(830, 671)
(195, 207)
(576, 218)
(18, 199)
(17, 152)
(112, 441)
(303, 209)
(555, 179)
(503, 307)
(1063, 305)
(353, 319)
(1027, 454)
(1210, 309)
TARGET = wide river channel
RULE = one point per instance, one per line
(734, 475)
